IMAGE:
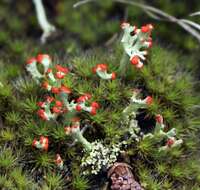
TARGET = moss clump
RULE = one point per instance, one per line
(162, 77)
(167, 76)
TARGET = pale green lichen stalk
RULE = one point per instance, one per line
(101, 71)
(32, 66)
(77, 134)
(135, 103)
(135, 42)
(130, 113)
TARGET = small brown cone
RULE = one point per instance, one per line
(122, 178)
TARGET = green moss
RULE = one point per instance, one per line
(13, 118)
(157, 79)
(20, 179)
(54, 181)
(44, 161)
(80, 183)
(7, 135)
(7, 159)
(167, 76)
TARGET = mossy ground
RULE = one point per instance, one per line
(168, 76)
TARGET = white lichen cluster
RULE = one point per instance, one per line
(99, 157)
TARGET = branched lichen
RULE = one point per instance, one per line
(135, 42)
(168, 136)
(130, 113)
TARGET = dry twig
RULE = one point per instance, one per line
(155, 13)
